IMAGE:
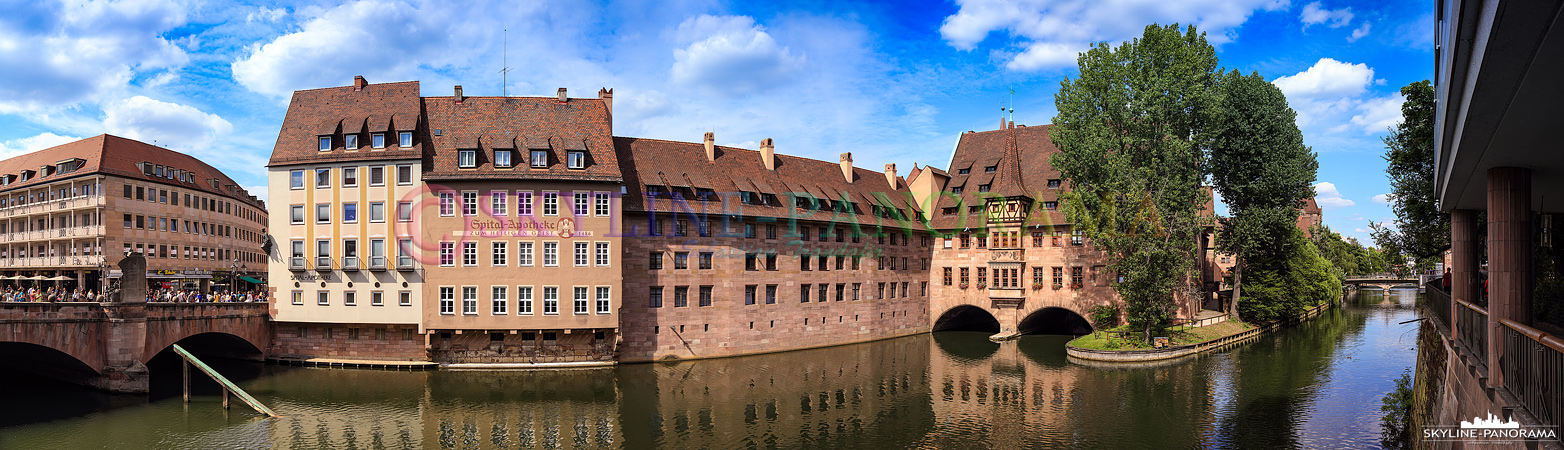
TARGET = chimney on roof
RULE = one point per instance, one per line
(459, 96)
(359, 82)
(562, 95)
(847, 166)
(711, 146)
(890, 174)
(768, 154)
(607, 95)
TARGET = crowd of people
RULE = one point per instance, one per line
(58, 294)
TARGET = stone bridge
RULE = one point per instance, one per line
(108, 345)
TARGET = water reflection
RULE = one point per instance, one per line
(1312, 386)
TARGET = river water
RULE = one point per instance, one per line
(1316, 385)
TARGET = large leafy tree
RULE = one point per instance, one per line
(1261, 167)
(1128, 131)
(1421, 230)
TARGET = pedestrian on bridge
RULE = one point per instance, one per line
(1446, 281)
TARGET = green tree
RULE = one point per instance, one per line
(1261, 167)
(1129, 130)
(1421, 230)
(1294, 278)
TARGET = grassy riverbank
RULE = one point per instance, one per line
(1181, 335)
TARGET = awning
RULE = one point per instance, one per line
(62, 278)
(252, 280)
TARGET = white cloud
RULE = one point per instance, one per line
(382, 40)
(1051, 31)
(161, 123)
(58, 54)
(34, 143)
(1360, 32)
(1327, 78)
(1327, 197)
(265, 14)
(731, 55)
(259, 192)
(1314, 14)
(1378, 114)
(1383, 199)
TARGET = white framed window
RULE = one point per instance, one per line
(524, 300)
(377, 176)
(580, 204)
(524, 253)
(350, 141)
(405, 298)
(325, 143)
(498, 252)
(550, 203)
(602, 254)
(469, 300)
(550, 254)
(502, 158)
(323, 213)
(581, 254)
(447, 254)
(298, 297)
(377, 212)
(350, 213)
(469, 203)
(601, 204)
(580, 303)
(469, 254)
(349, 177)
(295, 180)
(322, 178)
(405, 139)
(551, 300)
(603, 300)
(499, 302)
(350, 298)
(404, 211)
(466, 159)
(523, 203)
(575, 160)
(296, 214)
(377, 140)
(498, 203)
(447, 204)
(540, 159)
(323, 298)
(447, 300)
(404, 175)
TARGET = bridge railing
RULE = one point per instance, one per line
(1533, 367)
(1472, 327)
(204, 309)
(1438, 302)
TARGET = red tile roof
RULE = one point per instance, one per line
(385, 107)
(522, 124)
(668, 163)
(1021, 155)
(114, 155)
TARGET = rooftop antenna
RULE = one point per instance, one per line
(505, 63)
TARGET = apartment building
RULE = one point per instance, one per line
(731, 251)
(345, 179)
(522, 228)
(69, 213)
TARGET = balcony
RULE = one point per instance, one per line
(49, 206)
(296, 263)
(52, 261)
(53, 234)
(404, 263)
(377, 263)
(350, 263)
(323, 264)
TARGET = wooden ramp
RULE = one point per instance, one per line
(228, 386)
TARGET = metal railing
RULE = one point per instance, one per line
(1533, 370)
(1438, 302)
(1473, 328)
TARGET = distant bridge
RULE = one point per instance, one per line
(1387, 281)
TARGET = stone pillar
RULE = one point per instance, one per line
(123, 371)
(1509, 258)
(1463, 264)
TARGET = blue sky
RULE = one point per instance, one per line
(892, 82)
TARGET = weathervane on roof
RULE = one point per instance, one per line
(504, 61)
(1008, 106)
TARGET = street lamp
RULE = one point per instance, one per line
(233, 269)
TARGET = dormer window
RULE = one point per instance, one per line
(575, 160)
(963, 171)
(956, 190)
(540, 159)
(325, 143)
(705, 195)
(991, 169)
(949, 211)
(983, 188)
(1051, 206)
(157, 171)
(351, 141)
(377, 140)
(467, 159)
(404, 139)
(502, 158)
(1053, 184)
(653, 190)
